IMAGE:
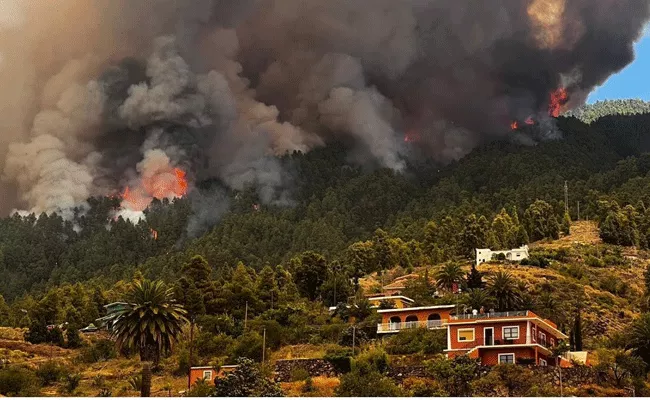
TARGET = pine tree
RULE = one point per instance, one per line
(475, 279)
(577, 331)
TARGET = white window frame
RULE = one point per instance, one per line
(514, 359)
(503, 330)
(542, 339)
(207, 375)
(534, 334)
(552, 342)
(543, 362)
(466, 329)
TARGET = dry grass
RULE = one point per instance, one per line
(12, 333)
(324, 387)
(582, 233)
(298, 351)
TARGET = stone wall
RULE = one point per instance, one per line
(578, 375)
(313, 366)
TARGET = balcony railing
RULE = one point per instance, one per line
(491, 315)
(398, 326)
(529, 340)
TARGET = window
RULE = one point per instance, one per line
(466, 335)
(510, 332)
(508, 358)
(207, 375)
(542, 362)
(552, 342)
(542, 339)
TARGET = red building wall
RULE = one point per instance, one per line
(479, 339)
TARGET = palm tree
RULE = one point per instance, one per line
(448, 275)
(151, 323)
(478, 298)
(502, 286)
(641, 337)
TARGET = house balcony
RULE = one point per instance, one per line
(394, 327)
(504, 314)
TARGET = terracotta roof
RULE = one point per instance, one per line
(395, 285)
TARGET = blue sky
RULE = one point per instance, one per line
(631, 82)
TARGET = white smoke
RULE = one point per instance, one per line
(49, 181)
(53, 170)
(367, 115)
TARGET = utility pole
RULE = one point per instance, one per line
(578, 211)
(559, 369)
(566, 197)
(334, 268)
(246, 317)
(189, 372)
(354, 335)
(264, 346)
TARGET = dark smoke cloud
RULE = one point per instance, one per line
(220, 88)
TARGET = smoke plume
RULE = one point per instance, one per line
(101, 96)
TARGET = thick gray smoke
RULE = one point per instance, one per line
(92, 89)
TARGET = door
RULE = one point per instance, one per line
(488, 336)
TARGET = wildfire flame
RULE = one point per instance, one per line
(411, 136)
(514, 125)
(558, 98)
(154, 233)
(529, 121)
(163, 185)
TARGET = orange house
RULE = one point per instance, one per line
(503, 337)
(397, 319)
(209, 373)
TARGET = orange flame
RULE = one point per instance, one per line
(166, 185)
(529, 121)
(558, 98)
(411, 136)
(154, 233)
(514, 125)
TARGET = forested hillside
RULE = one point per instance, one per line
(274, 269)
(589, 113)
(336, 205)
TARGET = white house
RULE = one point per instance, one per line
(518, 254)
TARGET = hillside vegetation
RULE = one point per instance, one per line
(264, 276)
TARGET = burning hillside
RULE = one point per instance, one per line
(162, 94)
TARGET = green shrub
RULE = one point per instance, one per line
(17, 381)
(299, 374)
(350, 335)
(74, 340)
(576, 271)
(309, 386)
(614, 285)
(72, 383)
(99, 381)
(367, 384)
(340, 358)
(101, 350)
(421, 340)
(135, 382)
(248, 345)
(211, 345)
(49, 372)
(201, 388)
(374, 359)
(594, 262)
